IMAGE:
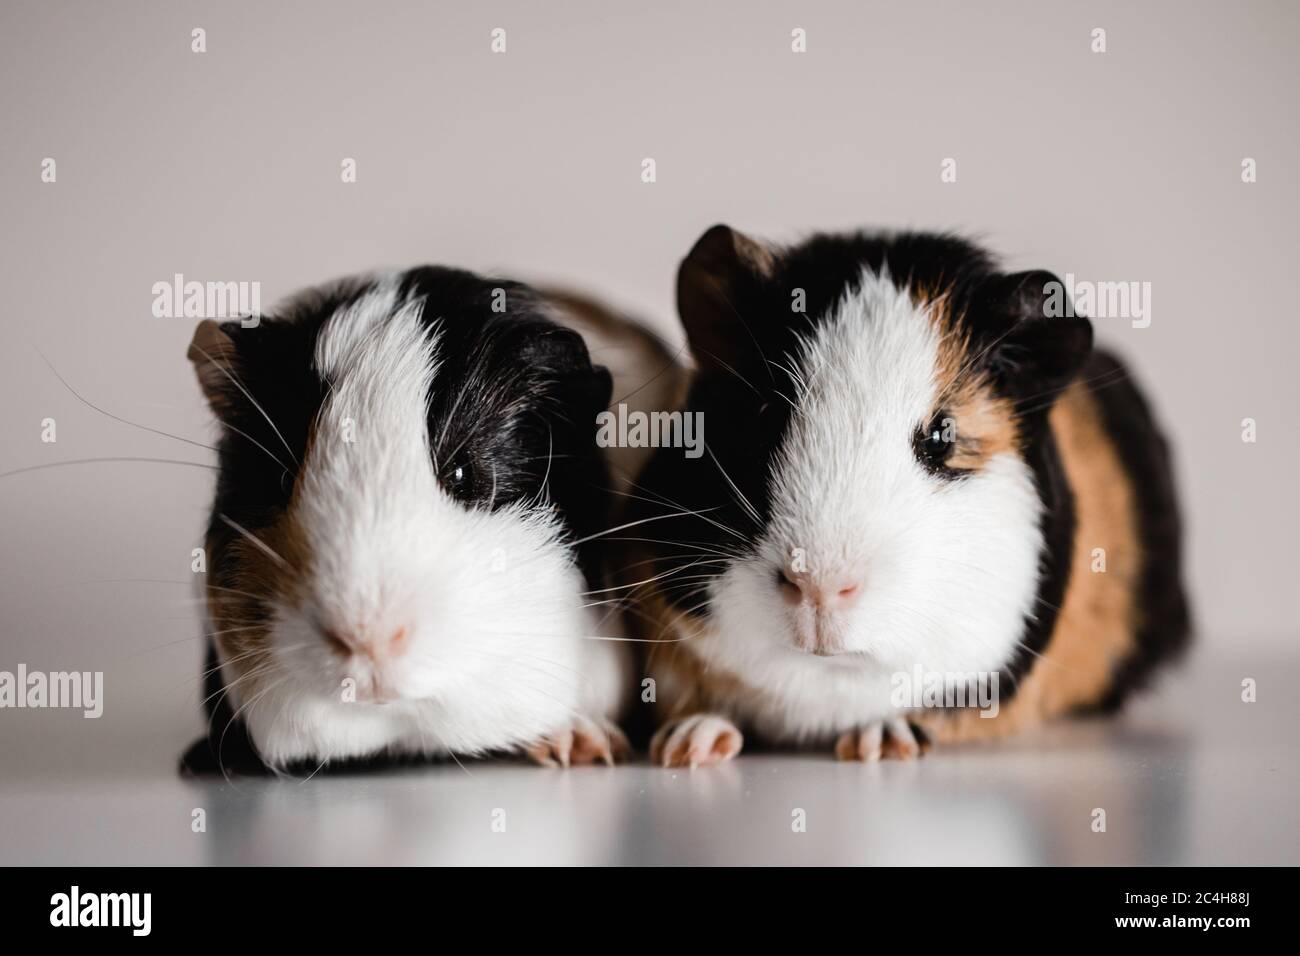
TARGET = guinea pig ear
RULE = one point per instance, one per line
(215, 356)
(562, 353)
(713, 283)
(1035, 344)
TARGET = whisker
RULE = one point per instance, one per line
(261, 545)
(117, 418)
(88, 461)
(749, 508)
(649, 580)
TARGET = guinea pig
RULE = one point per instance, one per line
(918, 471)
(402, 551)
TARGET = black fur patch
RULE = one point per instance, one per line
(1057, 526)
(515, 400)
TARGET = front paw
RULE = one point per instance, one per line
(696, 740)
(895, 738)
(584, 741)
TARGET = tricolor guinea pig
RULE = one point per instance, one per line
(402, 549)
(928, 509)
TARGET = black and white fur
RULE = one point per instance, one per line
(403, 539)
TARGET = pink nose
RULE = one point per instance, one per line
(345, 642)
(831, 592)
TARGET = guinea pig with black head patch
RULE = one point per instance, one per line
(403, 543)
(922, 489)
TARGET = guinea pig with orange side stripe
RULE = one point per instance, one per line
(917, 472)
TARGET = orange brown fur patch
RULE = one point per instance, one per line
(984, 422)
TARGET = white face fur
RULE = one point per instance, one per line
(415, 624)
(948, 569)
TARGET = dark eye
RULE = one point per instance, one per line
(935, 442)
(459, 479)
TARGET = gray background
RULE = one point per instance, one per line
(225, 166)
